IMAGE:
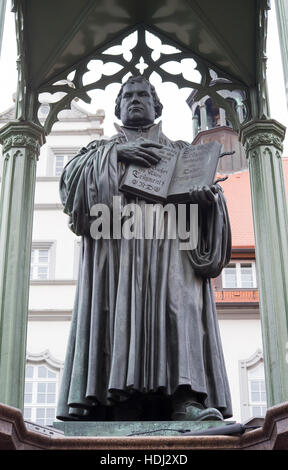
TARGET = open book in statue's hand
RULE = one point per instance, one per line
(173, 178)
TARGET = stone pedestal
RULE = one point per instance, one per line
(21, 145)
(15, 434)
(134, 428)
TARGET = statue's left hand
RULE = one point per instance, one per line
(204, 194)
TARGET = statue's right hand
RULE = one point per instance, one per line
(142, 153)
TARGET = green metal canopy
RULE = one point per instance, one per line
(225, 37)
(58, 34)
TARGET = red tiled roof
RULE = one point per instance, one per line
(237, 193)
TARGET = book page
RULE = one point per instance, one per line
(196, 166)
(152, 182)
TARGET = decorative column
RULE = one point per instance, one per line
(262, 140)
(203, 117)
(21, 146)
(240, 111)
(222, 117)
(195, 125)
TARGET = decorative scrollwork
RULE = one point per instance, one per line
(20, 140)
(263, 138)
(146, 52)
(263, 104)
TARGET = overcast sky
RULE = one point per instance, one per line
(175, 110)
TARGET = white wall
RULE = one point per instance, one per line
(240, 340)
(42, 335)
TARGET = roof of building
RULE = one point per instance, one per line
(238, 196)
(76, 112)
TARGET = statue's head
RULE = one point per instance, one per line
(137, 103)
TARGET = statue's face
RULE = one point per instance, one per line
(137, 105)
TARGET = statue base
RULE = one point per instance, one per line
(135, 428)
(17, 434)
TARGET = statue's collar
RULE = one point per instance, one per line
(140, 128)
(153, 129)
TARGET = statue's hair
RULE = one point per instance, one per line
(135, 79)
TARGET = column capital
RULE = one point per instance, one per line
(260, 132)
(19, 134)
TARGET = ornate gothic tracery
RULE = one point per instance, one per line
(141, 51)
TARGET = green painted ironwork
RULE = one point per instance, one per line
(282, 20)
(21, 144)
(141, 51)
(262, 140)
(2, 20)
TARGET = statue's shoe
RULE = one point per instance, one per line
(192, 413)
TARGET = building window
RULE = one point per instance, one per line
(239, 275)
(41, 388)
(40, 395)
(257, 397)
(57, 158)
(60, 162)
(42, 265)
(39, 264)
(252, 387)
(213, 114)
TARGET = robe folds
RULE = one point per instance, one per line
(144, 316)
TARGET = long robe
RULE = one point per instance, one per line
(144, 317)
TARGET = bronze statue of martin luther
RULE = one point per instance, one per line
(144, 341)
